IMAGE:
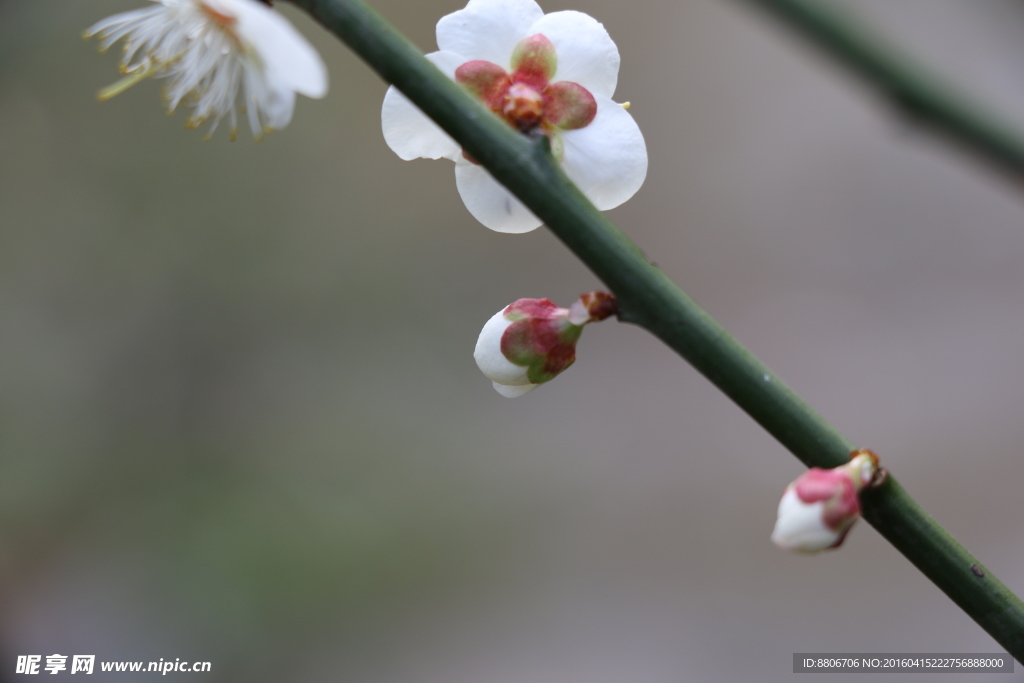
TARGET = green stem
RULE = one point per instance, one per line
(649, 299)
(910, 87)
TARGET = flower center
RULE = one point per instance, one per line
(225, 21)
(526, 97)
(524, 107)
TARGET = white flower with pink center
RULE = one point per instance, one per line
(545, 74)
(209, 50)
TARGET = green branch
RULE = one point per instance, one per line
(909, 87)
(649, 299)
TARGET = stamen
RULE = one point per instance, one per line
(524, 107)
(127, 82)
(624, 105)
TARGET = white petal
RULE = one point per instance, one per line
(586, 53)
(800, 526)
(607, 159)
(408, 131)
(115, 27)
(488, 29)
(278, 107)
(489, 358)
(513, 391)
(489, 201)
(287, 56)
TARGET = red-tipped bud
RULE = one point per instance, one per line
(532, 341)
(819, 507)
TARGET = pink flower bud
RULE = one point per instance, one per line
(819, 507)
(532, 340)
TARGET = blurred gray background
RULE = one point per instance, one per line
(240, 420)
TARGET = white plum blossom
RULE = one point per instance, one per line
(531, 341)
(820, 506)
(208, 50)
(545, 74)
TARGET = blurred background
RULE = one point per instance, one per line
(240, 421)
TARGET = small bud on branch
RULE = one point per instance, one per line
(819, 508)
(532, 341)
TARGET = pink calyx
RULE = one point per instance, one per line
(540, 338)
(834, 489)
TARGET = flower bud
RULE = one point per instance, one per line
(532, 340)
(819, 507)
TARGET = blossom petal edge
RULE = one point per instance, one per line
(287, 54)
(607, 159)
(489, 201)
(487, 29)
(586, 53)
(509, 391)
(408, 131)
